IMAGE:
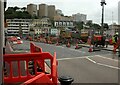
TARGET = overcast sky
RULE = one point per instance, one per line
(91, 8)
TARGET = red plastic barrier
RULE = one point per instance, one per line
(34, 48)
(10, 58)
(40, 79)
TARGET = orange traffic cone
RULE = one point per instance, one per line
(57, 43)
(90, 49)
(68, 45)
(76, 46)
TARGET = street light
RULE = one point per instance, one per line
(102, 20)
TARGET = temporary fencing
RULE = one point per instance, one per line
(38, 57)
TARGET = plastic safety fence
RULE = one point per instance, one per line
(15, 60)
(34, 48)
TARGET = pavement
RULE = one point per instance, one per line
(10, 50)
(109, 48)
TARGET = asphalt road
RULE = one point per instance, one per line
(84, 67)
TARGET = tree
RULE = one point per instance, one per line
(105, 25)
(96, 26)
(15, 8)
(24, 8)
(79, 25)
(11, 13)
(89, 23)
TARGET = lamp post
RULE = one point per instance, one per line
(102, 20)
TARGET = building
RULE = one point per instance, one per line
(41, 26)
(62, 22)
(54, 31)
(113, 28)
(51, 11)
(79, 17)
(43, 10)
(32, 9)
(15, 26)
(119, 12)
(59, 12)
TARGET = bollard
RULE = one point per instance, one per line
(65, 80)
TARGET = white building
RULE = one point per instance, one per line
(63, 22)
(119, 12)
(14, 26)
(79, 17)
(54, 31)
(41, 26)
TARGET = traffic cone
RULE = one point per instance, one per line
(68, 44)
(57, 43)
(90, 49)
(76, 46)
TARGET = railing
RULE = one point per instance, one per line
(38, 57)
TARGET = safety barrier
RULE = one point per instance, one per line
(34, 48)
(38, 57)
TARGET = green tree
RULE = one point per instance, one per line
(96, 26)
(79, 25)
(15, 8)
(11, 13)
(106, 27)
(89, 23)
(24, 8)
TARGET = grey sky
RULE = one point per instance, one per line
(90, 7)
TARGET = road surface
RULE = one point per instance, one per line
(84, 67)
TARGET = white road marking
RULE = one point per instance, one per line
(90, 60)
(108, 66)
(107, 58)
(77, 50)
(101, 63)
(73, 58)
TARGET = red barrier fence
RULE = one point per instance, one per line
(34, 48)
(38, 57)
